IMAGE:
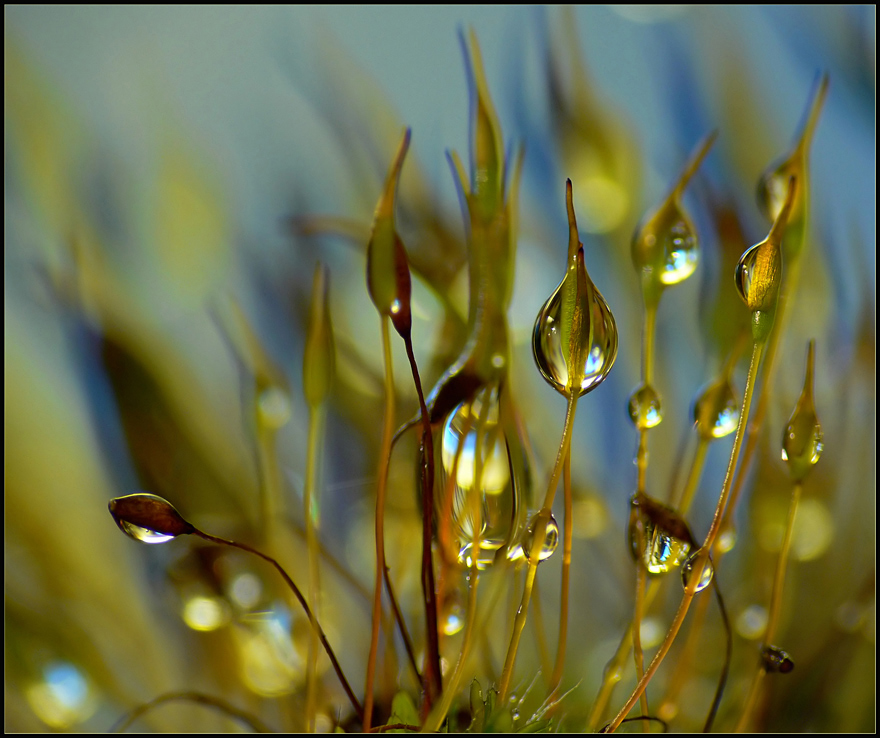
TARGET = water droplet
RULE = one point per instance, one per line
(575, 336)
(758, 275)
(273, 406)
(550, 354)
(705, 576)
(474, 451)
(665, 250)
(665, 247)
(148, 518)
(658, 536)
(550, 539)
(716, 410)
(802, 440)
(775, 660)
(645, 410)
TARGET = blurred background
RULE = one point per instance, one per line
(172, 175)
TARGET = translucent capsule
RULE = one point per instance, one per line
(687, 569)
(802, 440)
(658, 535)
(550, 542)
(775, 660)
(645, 410)
(716, 410)
(148, 518)
(474, 453)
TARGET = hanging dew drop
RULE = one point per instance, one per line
(550, 353)
(550, 539)
(687, 569)
(716, 410)
(645, 410)
(474, 453)
(144, 535)
(658, 536)
(802, 439)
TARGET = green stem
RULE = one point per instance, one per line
(310, 505)
(302, 601)
(540, 528)
(382, 483)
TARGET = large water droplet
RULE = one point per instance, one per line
(473, 452)
(716, 410)
(550, 353)
(705, 576)
(530, 547)
(645, 410)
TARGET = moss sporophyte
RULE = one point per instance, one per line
(443, 654)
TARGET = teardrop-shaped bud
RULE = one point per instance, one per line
(319, 357)
(687, 570)
(388, 279)
(575, 336)
(775, 660)
(658, 535)
(802, 440)
(476, 468)
(487, 180)
(773, 184)
(148, 518)
(645, 410)
(716, 410)
(665, 249)
(759, 272)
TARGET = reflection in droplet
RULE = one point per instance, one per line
(62, 698)
(705, 576)
(144, 535)
(273, 406)
(645, 410)
(452, 615)
(473, 450)
(205, 613)
(550, 539)
(716, 410)
(550, 354)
